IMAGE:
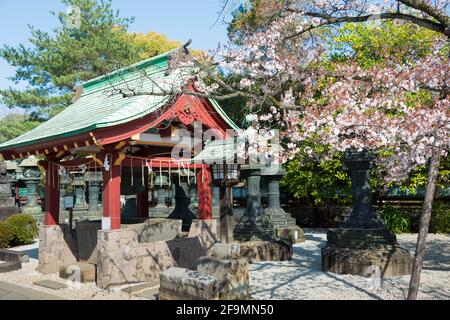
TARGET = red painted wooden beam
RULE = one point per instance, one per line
(204, 182)
(111, 194)
(51, 193)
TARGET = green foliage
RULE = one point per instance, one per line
(251, 15)
(319, 183)
(67, 56)
(395, 220)
(418, 178)
(151, 44)
(6, 235)
(440, 218)
(371, 44)
(24, 229)
(14, 125)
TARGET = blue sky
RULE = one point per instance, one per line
(178, 19)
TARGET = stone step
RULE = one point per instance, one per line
(49, 284)
(135, 289)
(78, 272)
(149, 294)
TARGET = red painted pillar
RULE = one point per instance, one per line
(51, 194)
(204, 181)
(142, 198)
(111, 195)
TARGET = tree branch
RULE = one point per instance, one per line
(437, 27)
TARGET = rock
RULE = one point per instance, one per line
(11, 260)
(233, 276)
(183, 284)
(256, 251)
(292, 233)
(50, 284)
(226, 251)
(205, 231)
(380, 262)
(78, 272)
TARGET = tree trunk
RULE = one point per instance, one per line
(424, 224)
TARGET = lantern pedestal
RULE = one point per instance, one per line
(362, 245)
(161, 210)
(284, 223)
(254, 225)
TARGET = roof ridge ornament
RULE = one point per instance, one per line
(78, 92)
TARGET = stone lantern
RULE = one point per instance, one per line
(7, 203)
(226, 176)
(31, 176)
(12, 170)
(254, 224)
(79, 186)
(63, 186)
(94, 179)
(193, 193)
(161, 210)
(216, 202)
(362, 245)
(285, 225)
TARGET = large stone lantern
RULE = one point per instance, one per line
(31, 176)
(254, 224)
(362, 245)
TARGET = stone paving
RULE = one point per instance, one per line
(9, 291)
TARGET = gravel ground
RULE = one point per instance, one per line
(302, 278)
(83, 291)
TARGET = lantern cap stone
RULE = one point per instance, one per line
(31, 161)
(11, 165)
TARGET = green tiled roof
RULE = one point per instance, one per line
(218, 151)
(99, 108)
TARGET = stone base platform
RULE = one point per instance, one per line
(381, 262)
(257, 251)
(292, 233)
(183, 284)
(10, 260)
(250, 232)
(233, 276)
